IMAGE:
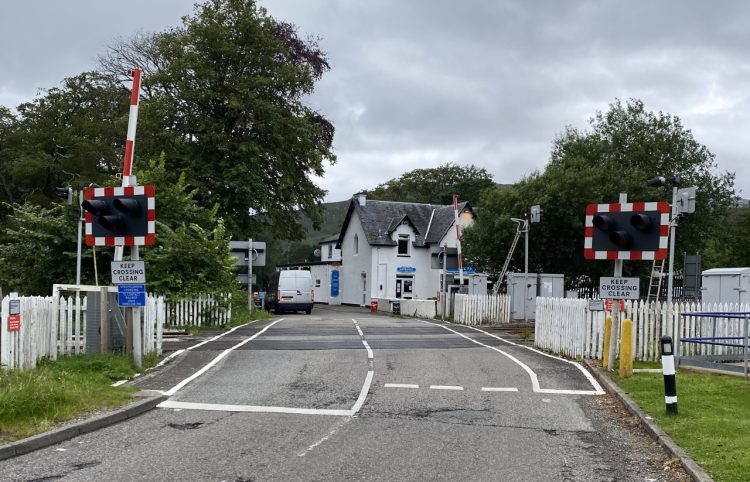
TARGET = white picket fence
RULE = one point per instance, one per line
(205, 310)
(52, 327)
(481, 309)
(567, 327)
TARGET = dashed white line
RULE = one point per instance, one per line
(446, 387)
(499, 389)
(400, 385)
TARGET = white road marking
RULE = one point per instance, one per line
(216, 360)
(534, 380)
(333, 432)
(598, 390)
(370, 373)
(400, 385)
(221, 407)
(499, 389)
(119, 382)
(445, 387)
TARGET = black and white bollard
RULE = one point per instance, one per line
(667, 366)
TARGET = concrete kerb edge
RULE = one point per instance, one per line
(68, 432)
(695, 471)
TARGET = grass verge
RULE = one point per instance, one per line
(34, 401)
(713, 424)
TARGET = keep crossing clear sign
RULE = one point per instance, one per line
(128, 272)
(619, 288)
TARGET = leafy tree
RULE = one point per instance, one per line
(37, 248)
(626, 146)
(191, 255)
(224, 102)
(436, 185)
(74, 132)
(730, 247)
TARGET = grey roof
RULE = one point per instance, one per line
(381, 218)
(330, 239)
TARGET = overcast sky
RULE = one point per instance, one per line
(419, 83)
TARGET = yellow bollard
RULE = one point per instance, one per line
(607, 329)
(626, 349)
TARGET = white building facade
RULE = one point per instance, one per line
(394, 249)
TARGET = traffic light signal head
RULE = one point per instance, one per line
(120, 216)
(627, 231)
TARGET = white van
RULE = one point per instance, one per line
(290, 290)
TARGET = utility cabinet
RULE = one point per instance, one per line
(726, 285)
(523, 298)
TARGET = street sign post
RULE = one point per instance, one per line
(128, 272)
(618, 288)
(131, 296)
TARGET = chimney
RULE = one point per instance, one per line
(361, 198)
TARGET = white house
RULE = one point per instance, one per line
(392, 249)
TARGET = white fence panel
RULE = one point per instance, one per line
(204, 310)
(566, 326)
(481, 309)
(53, 326)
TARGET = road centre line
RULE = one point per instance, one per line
(597, 388)
(534, 379)
(445, 387)
(216, 360)
(499, 389)
(400, 385)
(370, 372)
(174, 404)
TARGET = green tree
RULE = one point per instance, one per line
(73, 132)
(730, 247)
(435, 185)
(626, 146)
(225, 96)
(191, 254)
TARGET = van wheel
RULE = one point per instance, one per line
(308, 311)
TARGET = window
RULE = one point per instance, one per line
(356, 245)
(403, 245)
(317, 283)
(330, 251)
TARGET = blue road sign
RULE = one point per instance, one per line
(131, 295)
(334, 283)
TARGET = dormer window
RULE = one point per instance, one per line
(403, 245)
(330, 251)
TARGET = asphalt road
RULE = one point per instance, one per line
(345, 395)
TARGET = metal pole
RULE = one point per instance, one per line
(80, 229)
(526, 266)
(250, 275)
(445, 284)
(615, 327)
(670, 278)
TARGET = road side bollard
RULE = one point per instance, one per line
(626, 349)
(607, 328)
(667, 366)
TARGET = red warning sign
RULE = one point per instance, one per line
(608, 305)
(14, 322)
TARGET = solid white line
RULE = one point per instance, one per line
(598, 390)
(499, 389)
(220, 407)
(445, 387)
(369, 350)
(534, 380)
(216, 360)
(223, 334)
(400, 385)
(168, 358)
(119, 382)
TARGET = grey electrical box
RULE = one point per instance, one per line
(726, 285)
(523, 300)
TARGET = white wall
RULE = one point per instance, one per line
(354, 265)
(335, 253)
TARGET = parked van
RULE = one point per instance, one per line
(290, 290)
